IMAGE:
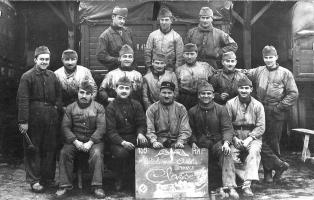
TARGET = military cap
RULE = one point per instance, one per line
(167, 84)
(124, 81)
(229, 55)
(126, 49)
(189, 47)
(41, 50)
(159, 57)
(206, 11)
(164, 12)
(245, 82)
(204, 86)
(69, 53)
(269, 51)
(87, 86)
(120, 11)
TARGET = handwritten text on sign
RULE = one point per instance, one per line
(171, 173)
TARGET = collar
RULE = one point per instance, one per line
(208, 29)
(155, 73)
(83, 105)
(206, 106)
(116, 28)
(166, 31)
(245, 100)
(39, 71)
(126, 68)
(277, 65)
(69, 73)
(121, 100)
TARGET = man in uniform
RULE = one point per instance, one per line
(38, 99)
(126, 128)
(113, 38)
(71, 76)
(211, 42)
(167, 120)
(212, 129)
(107, 90)
(83, 126)
(277, 91)
(225, 82)
(248, 119)
(153, 79)
(190, 74)
(164, 40)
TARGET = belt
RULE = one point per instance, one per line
(43, 103)
(248, 127)
(270, 103)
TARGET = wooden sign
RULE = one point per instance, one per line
(171, 173)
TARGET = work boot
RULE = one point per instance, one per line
(62, 192)
(99, 193)
(37, 187)
(247, 192)
(233, 193)
(268, 176)
(278, 173)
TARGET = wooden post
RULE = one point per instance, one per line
(247, 30)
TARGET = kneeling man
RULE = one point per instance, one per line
(167, 120)
(83, 125)
(212, 129)
(248, 120)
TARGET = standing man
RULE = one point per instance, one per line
(225, 82)
(165, 40)
(83, 126)
(71, 76)
(212, 129)
(126, 128)
(113, 38)
(153, 79)
(248, 119)
(167, 120)
(277, 91)
(211, 42)
(38, 99)
(190, 74)
(107, 90)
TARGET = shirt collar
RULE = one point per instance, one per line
(39, 71)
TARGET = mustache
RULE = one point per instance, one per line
(83, 98)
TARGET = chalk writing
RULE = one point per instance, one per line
(142, 150)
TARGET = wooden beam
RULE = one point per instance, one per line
(247, 30)
(237, 17)
(261, 12)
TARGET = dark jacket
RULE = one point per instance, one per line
(39, 86)
(84, 124)
(124, 117)
(109, 45)
(212, 123)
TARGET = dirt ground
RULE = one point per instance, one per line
(297, 183)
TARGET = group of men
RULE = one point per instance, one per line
(187, 99)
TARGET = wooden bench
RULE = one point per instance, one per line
(306, 154)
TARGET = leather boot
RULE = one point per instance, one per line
(268, 176)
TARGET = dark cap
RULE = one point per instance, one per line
(41, 50)
(269, 51)
(124, 81)
(120, 11)
(69, 53)
(189, 47)
(87, 86)
(126, 49)
(164, 12)
(229, 55)
(204, 86)
(244, 82)
(167, 84)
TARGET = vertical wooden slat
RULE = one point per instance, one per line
(247, 30)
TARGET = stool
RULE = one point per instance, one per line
(306, 154)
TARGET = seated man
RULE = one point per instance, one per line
(126, 127)
(248, 120)
(107, 90)
(212, 129)
(153, 79)
(83, 125)
(167, 120)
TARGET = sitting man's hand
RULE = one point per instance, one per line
(226, 148)
(141, 140)
(79, 145)
(247, 142)
(87, 145)
(178, 145)
(128, 145)
(194, 146)
(157, 145)
(237, 143)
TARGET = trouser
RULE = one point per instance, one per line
(251, 160)
(225, 162)
(95, 162)
(271, 144)
(40, 166)
(188, 100)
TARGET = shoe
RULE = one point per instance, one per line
(61, 192)
(222, 193)
(99, 193)
(37, 187)
(278, 173)
(247, 192)
(268, 176)
(233, 193)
